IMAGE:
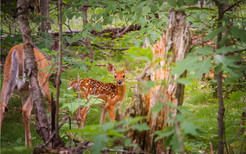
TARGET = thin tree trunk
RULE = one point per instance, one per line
(84, 9)
(42, 126)
(173, 46)
(45, 24)
(221, 110)
(59, 71)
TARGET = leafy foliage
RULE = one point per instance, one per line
(197, 117)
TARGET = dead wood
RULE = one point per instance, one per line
(106, 33)
(172, 47)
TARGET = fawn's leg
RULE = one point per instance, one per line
(83, 114)
(111, 113)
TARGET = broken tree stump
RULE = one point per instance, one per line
(172, 47)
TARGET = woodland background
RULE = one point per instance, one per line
(98, 32)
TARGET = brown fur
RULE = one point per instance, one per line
(17, 82)
(112, 93)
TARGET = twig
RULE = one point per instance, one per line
(230, 7)
(51, 137)
(238, 51)
(68, 27)
(109, 48)
(82, 146)
(63, 121)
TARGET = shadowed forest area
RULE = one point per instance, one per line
(123, 76)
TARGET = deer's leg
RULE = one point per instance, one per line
(83, 114)
(46, 95)
(111, 113)
(26, 112)
(7, 89)
(103, 115)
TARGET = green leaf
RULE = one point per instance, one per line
(141, 53)
(225, 50)
(200, 68)
(140, 127)
(154, 35)
(227, 61)
(183, 65)
(189, 128)
(238, 33)
(153, 7)
(224, 40)
(146, 10)
(214, 33)
(99, 141)
(157, 108)
(165, 134)
(175, 144)
(204, 51)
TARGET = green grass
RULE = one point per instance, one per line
(13, 133)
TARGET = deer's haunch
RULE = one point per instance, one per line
(112, 93)
(15, 82)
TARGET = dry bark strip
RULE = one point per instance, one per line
(173, 46)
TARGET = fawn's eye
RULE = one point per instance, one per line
(115, 76)
(123, 76)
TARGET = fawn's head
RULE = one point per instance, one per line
(119, 76)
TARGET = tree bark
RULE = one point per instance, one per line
(173, 46)
(58, 76)
(84, 9)
(30, 65)
(45, 24)
(221, 111)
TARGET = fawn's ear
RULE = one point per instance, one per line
(110, 68)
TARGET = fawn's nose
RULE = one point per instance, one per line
(119, 82)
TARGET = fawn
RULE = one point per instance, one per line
(111, 93)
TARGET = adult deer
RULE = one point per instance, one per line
(112, 94)
(15, 82)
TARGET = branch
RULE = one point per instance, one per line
(51, 137)
(122, 151)
(63, 121)
(109, 48)
(68, 27)
(230, 7)
(238, 51)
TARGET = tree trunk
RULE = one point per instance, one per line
(221, 125)
(173, 46)
(55, 143)
(30, 66)
(42, 126)
(87, 40)
(45, 24)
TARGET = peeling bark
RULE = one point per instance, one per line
(30, 66)
(172, 47)
(31, 69)
(45, 24)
